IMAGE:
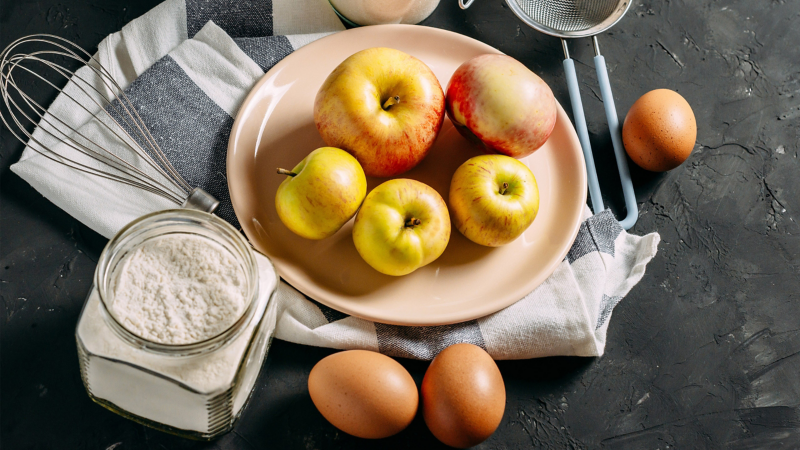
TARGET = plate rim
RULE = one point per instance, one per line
(476, 312)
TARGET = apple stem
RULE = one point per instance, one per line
(504, 188)
(391, 101)
(287, 172)
(412, 221)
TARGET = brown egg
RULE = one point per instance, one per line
(659, 131)
(364, 393)
(463, 396)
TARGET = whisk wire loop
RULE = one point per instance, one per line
(96, 94)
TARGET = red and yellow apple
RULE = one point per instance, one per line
(383, 106)
(498, 103)
(402, 225)
(321, 193)
(494, 199)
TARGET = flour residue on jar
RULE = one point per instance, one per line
(179, 289)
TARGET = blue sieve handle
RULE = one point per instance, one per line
(583, 135)
(616, 139)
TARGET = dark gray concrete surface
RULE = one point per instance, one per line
(703, 353)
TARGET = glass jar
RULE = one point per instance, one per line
(195, 390)
(377, 12)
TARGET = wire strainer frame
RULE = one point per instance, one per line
(570, 19)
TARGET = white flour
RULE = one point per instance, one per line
(135, 380)
(179, 289)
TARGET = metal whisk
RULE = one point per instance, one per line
(96, 93)
(576, 19)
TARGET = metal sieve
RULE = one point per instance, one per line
(577, 19)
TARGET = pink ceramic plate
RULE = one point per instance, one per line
(275, 128)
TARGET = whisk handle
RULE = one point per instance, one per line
(201, 200)
(465, 4)
(583, 135)
(616, 140)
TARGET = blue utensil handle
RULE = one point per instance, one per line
(616, 140)
(583, 135)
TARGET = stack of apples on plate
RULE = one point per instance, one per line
(379, 112)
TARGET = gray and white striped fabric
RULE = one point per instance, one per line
(567, 315)
(188, 64)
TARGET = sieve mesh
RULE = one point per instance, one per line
(569, 15)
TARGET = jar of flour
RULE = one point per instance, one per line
(376, 12)
(178, 323)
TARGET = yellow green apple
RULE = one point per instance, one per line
(402, 226)
(321, 193)
(383, 106)
(498, 103)
(494, 199)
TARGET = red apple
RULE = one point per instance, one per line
(383, 106)
(498, 103)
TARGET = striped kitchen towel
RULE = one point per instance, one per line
(188, 64)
